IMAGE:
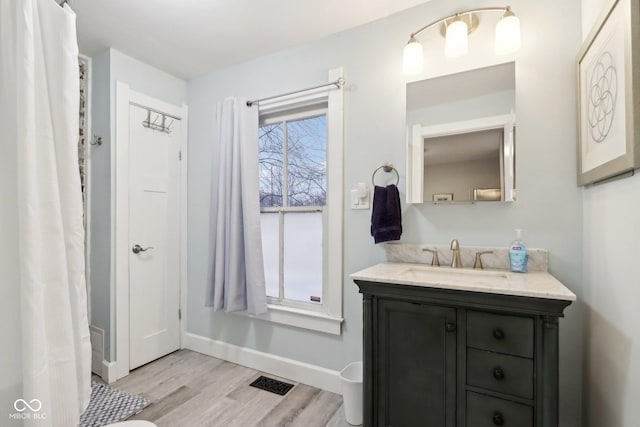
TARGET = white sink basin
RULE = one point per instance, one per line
(435, 275)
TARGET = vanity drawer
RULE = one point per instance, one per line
(487, 411)
(500, 333)
(498, 372)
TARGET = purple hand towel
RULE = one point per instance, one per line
(386, 219)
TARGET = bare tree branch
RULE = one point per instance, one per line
(306, 163)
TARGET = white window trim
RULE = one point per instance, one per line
(328, 318)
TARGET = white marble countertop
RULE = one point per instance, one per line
(536, 284)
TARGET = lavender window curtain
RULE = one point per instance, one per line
(236, 270)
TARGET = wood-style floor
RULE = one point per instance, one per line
(190, 389)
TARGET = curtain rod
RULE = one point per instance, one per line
(338, 83)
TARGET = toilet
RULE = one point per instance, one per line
(133, 423)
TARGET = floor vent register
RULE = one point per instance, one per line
(274, 386)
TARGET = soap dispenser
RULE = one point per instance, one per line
(518, 254)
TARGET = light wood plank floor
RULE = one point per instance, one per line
(190, 389)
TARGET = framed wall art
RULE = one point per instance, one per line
(443, 197)
(609, 96)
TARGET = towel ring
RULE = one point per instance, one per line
(387, 168)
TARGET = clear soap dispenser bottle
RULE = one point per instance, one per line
(518, 254)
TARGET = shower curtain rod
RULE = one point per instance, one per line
(338, 83)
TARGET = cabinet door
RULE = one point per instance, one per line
(416, 369)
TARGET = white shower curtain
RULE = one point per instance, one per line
(42, 216)
(236, 271)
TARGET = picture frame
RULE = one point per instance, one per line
(442, 197)
(608, 75)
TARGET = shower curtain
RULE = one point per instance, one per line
(236, 270)
(43, 292)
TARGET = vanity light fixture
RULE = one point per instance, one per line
(456, 41)
(456, 29)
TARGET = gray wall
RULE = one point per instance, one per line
(549, 203)
(461, 178)
(611, 233)
(100, 199)
(107, 68)
(493, 104)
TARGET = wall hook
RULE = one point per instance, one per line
(97, 140)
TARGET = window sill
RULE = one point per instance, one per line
(300, 318)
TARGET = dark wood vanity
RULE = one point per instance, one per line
(446, 357)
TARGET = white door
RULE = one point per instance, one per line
(154, 240)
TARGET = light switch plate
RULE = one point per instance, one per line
(357, 202)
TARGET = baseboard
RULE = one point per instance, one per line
(99, 366)
(109, 372)
(315, 376)
(97, 349)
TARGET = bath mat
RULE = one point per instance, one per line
(108, 405)
(274, 386)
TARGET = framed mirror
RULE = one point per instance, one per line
(461, 137)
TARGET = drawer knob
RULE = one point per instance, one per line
(498, 334)
(451, 327)
(498, 419)
(498, 374)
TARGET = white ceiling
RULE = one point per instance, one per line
(189, 38)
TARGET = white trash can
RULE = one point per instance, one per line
(351, 379)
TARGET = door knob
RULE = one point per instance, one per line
(137, 249)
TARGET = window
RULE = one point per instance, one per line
(293, 196)
(300, 173)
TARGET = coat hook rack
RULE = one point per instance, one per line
(159, 121)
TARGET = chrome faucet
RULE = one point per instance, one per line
(455, 259)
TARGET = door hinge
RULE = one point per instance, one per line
(180, 155)
(179, 314)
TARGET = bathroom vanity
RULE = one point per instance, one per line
(456, 347)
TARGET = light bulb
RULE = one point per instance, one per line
(507, 34)
(413, 58)
(456, 42)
